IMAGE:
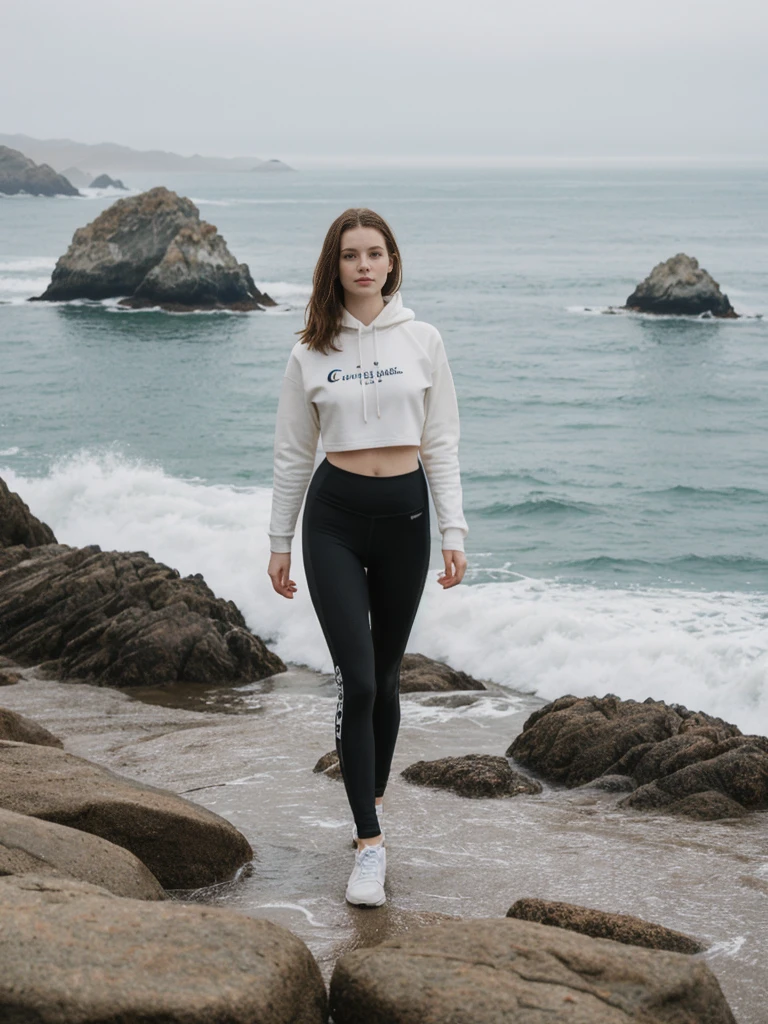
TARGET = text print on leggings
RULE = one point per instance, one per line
(340, 702)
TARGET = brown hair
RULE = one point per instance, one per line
(326, 305)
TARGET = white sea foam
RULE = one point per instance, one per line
(708, 651)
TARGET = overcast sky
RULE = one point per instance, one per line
(302, 79)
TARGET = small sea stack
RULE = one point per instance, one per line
(104, 181)
(19, 174)
(680, 287)
(153, 250)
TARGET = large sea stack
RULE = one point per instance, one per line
(20, 174)
(153, 249)
(680, 287)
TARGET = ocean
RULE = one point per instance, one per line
(613, 465)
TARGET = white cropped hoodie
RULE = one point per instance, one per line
(389, 385)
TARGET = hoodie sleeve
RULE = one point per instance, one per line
(440, 452)
(297, 430)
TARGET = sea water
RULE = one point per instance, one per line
(614, 466)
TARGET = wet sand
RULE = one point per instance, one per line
(247, 753)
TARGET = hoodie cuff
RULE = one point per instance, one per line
(280, 544)
(453, 539)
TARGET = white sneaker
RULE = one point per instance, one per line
(380, 816)
(366, 883)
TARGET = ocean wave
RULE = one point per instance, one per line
(748, 494)
(540, 507)
(703, 649)
(27, 263)
(742, 564)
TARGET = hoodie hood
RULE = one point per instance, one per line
(394, 313)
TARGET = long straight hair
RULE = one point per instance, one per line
(326, 305)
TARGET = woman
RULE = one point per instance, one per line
(376, 384)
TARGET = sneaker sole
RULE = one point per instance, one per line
(355, 903)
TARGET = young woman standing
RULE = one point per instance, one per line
(376, 384)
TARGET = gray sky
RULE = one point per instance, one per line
(312, 80)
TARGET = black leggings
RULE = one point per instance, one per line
(352, 523)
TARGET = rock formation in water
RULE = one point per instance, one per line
(104, 181)
(472, 775)
(272, 165)
(73, 951)
(681, 762)
(599, 924)
(120, 253)
(18, 525)
(78, 178)
(419, 673)
(20, 174)
(487, 970)
(680, 287)
(198, 271)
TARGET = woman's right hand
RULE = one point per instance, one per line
(278, 572)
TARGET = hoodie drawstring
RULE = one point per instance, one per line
(375, 371)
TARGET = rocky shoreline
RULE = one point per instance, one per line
(160, 817)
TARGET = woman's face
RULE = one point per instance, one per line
(364, 262)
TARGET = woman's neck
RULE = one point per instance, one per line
(364, 308)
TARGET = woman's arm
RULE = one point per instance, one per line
(297, 430)
(440, 452)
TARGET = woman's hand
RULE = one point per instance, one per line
(455, 567)
(278, 572)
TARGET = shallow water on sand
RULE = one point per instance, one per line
(247, 753)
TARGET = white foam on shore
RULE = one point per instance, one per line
(708, 651)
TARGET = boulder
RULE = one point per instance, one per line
(472, 775)
(419, 673)
(113, 254)
(680, 287)
(329, 765)
(492, 970)
(14, 726)
(20, 174)
(122, 619)
(625, 928)
(183, 844)
(18, 525)
(104, 181)
(153, 246)
(29, 845)
(73, 953)
(680, 762)
(198, 272)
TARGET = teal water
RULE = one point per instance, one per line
(614, 466)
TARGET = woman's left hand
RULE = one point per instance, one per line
(455, 567)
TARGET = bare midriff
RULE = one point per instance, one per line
(390, 461)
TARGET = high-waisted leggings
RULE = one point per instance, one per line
(365, 543)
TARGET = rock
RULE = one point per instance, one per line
(21, 729)
(419, 673)
(30, 845)
(493, 970)
(680, 287)
(104, 181)
(329, 765)
(625, 928)
(681, 762)
(8, 677)
(183, 844)
(198, 272)
(611, 784)
(114, 254)
(473, 775)
(20, 174)
(18, 525)
(272, 165)
(450, 700)
(77, 177)
(73, 953)
(122, 619)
